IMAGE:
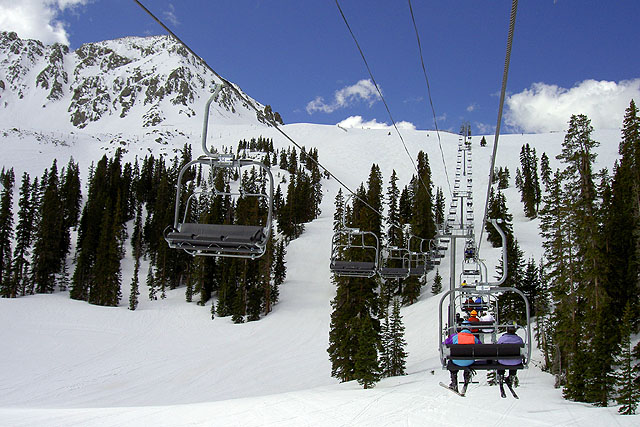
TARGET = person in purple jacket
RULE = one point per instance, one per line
(509, 337)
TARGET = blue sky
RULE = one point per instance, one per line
(569, 56)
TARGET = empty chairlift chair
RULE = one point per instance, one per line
(394, 263)
(198, 237)
(214, 239)
(354, 253)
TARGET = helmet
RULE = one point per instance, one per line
(473, 312)
(466, 322)
(511, 327)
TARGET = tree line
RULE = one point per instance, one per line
(585, 292)
(140, 197)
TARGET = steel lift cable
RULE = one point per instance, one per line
(344, 18)
(433, 110)
(505, 74)
(248, 102)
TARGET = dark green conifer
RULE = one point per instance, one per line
(366, 367)
(7, 285)
(24, 233)
(436, 288)
(397, 342)
(628, 392)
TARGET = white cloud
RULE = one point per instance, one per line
(484, 129)
(364, 90)
(544, 108)
(36, 19)
(471, 107)
(357, 122)
(170, 15)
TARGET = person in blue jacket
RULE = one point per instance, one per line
(510, 337)
(463, 337)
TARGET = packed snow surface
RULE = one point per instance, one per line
(66, 362)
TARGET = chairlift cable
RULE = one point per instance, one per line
(435, 121)
(344, 18)
(512, 23)
(249, 103)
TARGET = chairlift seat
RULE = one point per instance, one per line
(469, 306)
(486, 356)
(353, 268)
(216, 238)
(394, 273)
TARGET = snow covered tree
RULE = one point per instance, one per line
(436, 288)
(398, 360)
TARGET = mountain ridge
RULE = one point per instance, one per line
(153, 81)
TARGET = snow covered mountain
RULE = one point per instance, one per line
(65, 362)
(150, 81)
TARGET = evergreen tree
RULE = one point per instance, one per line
(394, 233)
(531, 284)
(543, 327)
(397, 342)
(279, 270)
(439, 206)
(151, 284)
(366, 367)
(105, 287)
(498, 210)
(628, 393)
(622, 220)
(436, 288)
(136, 242)
(545, 169)
(339, 211)
(385, 342)
(372, 220)
(529, 186)
(24, 237)
(7, 286)
(71, 197)
(422, 215)
(47, 257)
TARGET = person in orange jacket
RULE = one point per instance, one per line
(473, 317)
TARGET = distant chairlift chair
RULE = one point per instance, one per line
(354, 253)
(394, 263)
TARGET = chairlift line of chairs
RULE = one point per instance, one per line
(357, 253)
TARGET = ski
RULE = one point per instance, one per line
(464, 389)
(502, 393)
(451, 390)
(513, 392)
